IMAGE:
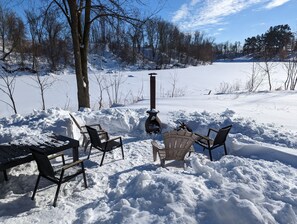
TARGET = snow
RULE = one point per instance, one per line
(255, 183)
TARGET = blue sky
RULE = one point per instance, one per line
(230, 20)
(224, 20)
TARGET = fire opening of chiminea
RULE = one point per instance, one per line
(152, 123)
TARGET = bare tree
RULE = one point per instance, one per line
(3, 26)
(43, 83)
(255, 79)
(15, 34)
(53, 30)
(113, 84)
(101, 81)
(152, 35)
(267, 69)
(291, 69)
(35, 29)
(173, 83)
(80, 15)
(135, 34)
(7, 87)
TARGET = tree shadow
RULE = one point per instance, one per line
(13, 208)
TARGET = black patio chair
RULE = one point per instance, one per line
(210, 143)
(83, 131)
(46, 171)
(103, 146)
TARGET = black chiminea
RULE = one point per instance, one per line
(153, 123)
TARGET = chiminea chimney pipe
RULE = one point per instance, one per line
(153, 123)
(153, 90)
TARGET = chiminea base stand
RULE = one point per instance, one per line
(153, 123)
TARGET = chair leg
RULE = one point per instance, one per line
(163, 163)
(57, 193)
(225, 149)
(102, 158)
(154, 154)
(35, 188)
(84, 174)
(5, 175)
(63, 160)
(58, 188)
(86, 143)
(184, 165)
(122, 151)
(90, 151)
(210, 156)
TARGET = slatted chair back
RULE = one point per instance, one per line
(44, 166)
(177, 144)
(94, 137)
(75, 122)
(221, 136)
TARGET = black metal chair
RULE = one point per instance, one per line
(219, 139)
(46, 171)
(103, 146)
(82, 128)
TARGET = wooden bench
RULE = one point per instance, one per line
(14, 155)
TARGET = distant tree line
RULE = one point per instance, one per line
(155, 40)
(228, 50)
(277, 42)
(44, 36)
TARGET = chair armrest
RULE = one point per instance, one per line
(100, 133)
(202, 137)
(156, 146)
(206, 138)
(211, 129)
(57, 155)
(162, 153)
(115, 138)
(72, 164)
(93, 125)
(198, 136)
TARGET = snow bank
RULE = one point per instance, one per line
(260, 188)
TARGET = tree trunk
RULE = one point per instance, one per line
(80, 57)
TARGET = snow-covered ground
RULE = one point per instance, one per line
(255, 183)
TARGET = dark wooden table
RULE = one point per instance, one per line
(14, 155)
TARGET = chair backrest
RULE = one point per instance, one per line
(222, 135)
(94, 137)
(75, 122)
(177, 143)
(44, 166)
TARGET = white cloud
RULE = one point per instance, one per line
(194, 2)
(197, 13)
(276, 3)
(180, 14)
